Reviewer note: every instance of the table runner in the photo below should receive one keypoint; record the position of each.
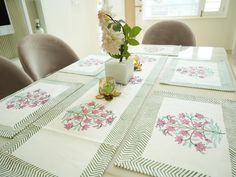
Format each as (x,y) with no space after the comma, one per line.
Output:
(216,75)
(172,50)
(90,65)
(28,104)
(87,132)
(175,127)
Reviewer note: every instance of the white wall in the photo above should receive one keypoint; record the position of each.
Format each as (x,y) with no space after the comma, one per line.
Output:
(118,8)
(74,21)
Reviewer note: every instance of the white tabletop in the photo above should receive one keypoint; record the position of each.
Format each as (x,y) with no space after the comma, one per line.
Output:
(203,53)
(188,53)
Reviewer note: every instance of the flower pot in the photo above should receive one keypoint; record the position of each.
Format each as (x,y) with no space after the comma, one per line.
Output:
(120,71)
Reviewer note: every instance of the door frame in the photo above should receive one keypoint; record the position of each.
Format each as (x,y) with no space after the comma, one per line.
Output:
(130,12)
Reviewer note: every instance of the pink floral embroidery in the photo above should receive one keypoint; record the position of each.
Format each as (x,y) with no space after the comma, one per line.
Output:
(85,127)
(198,134)
(198,124)
(195,71)
(146,59)
(179,139)
(88,115)
(135,80)
(199,116)
(192,130)
(69,126)
(161,122)
(200,147)
(184,133)
(29,99)
(91,62)
(185,121)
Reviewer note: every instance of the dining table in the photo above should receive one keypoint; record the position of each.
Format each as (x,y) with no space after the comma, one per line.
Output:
(175,117)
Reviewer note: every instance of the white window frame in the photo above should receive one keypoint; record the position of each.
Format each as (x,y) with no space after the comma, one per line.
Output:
(201,14)
(221,13)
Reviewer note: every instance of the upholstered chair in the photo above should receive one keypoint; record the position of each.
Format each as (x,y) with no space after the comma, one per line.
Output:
(169,32)
(43,54)
(12,78)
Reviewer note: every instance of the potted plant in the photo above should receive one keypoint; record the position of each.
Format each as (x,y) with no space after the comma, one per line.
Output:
(117,36)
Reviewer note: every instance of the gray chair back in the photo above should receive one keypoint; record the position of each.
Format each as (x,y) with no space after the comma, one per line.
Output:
(43,54)
(12,78)
(169,32)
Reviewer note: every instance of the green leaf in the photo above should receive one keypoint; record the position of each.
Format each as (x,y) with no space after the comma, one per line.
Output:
(125,47)
(116,27)
(108,88)
(109,25)
(127,29)
(115,56)
(126,55)
(121,21)
(135,31)
(133,42)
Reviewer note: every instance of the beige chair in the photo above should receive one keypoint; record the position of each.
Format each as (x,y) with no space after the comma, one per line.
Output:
(169,32)
(12,78)
(43,54)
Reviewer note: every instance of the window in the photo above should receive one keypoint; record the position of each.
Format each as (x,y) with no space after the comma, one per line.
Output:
(215,7)
(183,8)
(212,5)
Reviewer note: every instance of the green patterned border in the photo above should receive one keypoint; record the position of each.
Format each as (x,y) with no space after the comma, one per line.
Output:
(225,73)
(12,166)
(119,131)
(134,146)
(233,161)
(100,161)
(9,132)
(108,148)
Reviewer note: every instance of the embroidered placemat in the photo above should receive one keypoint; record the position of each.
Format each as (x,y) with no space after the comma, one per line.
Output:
(216,75)
(181,135)
(28,104)
(90,65)
(170,50)
(79,136)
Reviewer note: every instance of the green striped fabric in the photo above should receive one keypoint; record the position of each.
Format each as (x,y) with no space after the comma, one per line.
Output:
(12,165)
(233,161)
(138,137)
(9,132)
(100,161)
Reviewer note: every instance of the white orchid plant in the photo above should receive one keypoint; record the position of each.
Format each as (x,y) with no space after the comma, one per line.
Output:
(117,35)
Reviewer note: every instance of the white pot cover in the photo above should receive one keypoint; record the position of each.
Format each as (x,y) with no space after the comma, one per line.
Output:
(120,71)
